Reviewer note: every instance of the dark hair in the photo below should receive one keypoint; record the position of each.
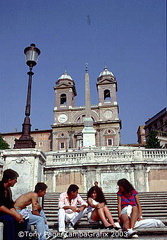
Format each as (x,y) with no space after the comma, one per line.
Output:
(100,195)
(40,186)
(127,186)
(72,188)
(9,174)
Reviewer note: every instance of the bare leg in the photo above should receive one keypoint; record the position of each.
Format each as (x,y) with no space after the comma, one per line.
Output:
(125,221)
(102,217)
(134,216)
(95,215)
(108,215)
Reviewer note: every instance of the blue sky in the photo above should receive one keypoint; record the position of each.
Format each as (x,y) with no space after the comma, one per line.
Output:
(127,36)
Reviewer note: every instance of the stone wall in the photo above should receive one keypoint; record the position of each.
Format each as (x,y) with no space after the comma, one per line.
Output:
(29,164)
(157,179)
(107,166)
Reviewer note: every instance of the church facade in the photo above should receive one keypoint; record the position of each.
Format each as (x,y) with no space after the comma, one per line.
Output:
(69,119)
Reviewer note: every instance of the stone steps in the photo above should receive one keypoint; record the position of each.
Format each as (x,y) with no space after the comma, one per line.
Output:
(154,205)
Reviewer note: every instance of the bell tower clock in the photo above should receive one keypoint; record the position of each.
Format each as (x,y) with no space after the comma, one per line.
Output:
(65,93)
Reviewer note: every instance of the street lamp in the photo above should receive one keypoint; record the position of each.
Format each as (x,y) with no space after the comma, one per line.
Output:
(26,141)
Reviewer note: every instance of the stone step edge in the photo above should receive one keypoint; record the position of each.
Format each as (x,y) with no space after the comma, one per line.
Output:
(86,224)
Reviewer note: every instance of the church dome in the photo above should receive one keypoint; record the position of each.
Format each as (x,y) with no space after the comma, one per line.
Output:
(106,72)
(65,76)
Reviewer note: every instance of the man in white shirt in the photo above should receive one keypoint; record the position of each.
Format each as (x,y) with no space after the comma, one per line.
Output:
(71,208)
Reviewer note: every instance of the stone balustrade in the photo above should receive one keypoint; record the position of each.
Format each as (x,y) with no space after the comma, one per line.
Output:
(103,154)
(106,155)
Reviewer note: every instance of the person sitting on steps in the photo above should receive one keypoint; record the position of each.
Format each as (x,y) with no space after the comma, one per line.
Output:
(71,208)
(36,216)
(129,208)
(98,210)
(12,220)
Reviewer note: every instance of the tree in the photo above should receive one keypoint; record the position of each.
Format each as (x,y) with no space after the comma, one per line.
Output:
(3,143)
(152,140)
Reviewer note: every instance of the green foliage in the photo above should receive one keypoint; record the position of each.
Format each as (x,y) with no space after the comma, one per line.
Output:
(152,140)
(3,143)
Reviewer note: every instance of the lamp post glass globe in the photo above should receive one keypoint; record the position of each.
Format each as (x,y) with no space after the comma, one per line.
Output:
(32,54)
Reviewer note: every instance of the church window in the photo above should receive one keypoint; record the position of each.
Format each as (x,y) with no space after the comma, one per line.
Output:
(62,145)
(78,120)
(83,118)
(110,142)
(40,144)
(109,132)
(63,99)
(107,96)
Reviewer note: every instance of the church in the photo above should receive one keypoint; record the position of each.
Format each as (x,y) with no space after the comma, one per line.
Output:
(68,125)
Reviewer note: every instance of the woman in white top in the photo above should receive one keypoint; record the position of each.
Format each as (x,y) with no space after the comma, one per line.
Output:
(98,209)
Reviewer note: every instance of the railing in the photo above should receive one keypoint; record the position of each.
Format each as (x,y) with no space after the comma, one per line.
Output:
(70,158)
(155,154)
(111,155)
(115,154)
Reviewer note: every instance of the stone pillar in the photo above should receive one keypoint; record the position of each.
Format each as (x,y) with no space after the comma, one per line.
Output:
(140,177)
(29,164)
(90,177)
(50,180)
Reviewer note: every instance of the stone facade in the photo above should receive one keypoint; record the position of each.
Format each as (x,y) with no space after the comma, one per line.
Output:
(107,166)
(43,139)
(69,120)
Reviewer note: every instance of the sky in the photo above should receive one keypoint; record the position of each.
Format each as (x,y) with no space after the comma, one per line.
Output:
(127,36)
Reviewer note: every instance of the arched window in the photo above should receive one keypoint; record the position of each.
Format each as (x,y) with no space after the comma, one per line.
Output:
(63,99)
(107,96)
(81,119)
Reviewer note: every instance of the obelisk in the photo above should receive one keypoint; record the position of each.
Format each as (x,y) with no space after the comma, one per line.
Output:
(88,130)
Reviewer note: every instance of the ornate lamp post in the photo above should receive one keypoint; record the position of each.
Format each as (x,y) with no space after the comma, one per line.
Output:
(26,141)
